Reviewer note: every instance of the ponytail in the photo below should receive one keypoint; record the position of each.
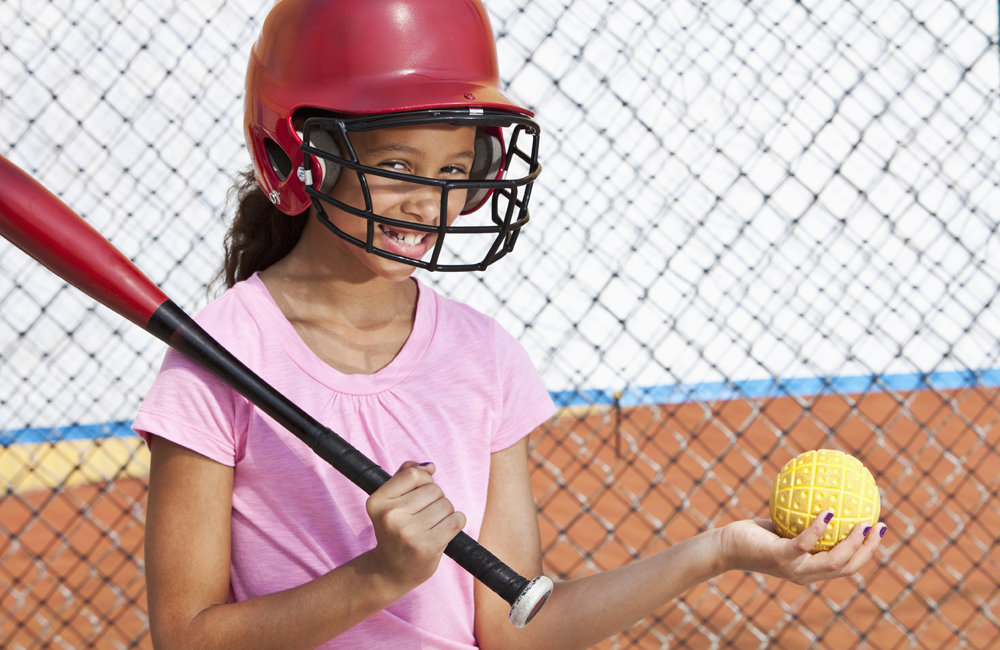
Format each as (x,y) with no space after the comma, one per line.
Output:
(260,234)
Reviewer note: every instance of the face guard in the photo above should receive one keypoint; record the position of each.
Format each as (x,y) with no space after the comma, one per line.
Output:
(497,191)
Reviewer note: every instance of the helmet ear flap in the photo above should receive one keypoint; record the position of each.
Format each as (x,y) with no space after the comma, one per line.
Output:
(329,171)
(487,164)
(281,164)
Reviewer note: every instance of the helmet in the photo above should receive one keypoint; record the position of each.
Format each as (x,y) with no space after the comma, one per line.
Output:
(322,69)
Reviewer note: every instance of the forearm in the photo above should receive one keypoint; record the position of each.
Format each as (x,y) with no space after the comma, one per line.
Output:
(188,564)
(584,611)
(302,617)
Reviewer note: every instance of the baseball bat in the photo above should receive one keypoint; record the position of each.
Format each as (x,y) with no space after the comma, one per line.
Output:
(40,224)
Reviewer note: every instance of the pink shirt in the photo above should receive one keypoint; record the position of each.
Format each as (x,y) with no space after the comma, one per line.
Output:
(460,389)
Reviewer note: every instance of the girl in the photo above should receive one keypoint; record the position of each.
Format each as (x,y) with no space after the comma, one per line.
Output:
(373,125)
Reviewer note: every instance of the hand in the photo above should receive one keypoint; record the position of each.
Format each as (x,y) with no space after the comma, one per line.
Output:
(413,524)
(752,545)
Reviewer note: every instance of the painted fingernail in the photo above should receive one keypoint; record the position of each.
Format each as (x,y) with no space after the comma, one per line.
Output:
(425,464)
(881,533)
(868,529)
(828,518)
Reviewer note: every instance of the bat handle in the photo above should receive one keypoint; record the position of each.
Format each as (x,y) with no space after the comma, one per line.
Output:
(529,602)
(525,597)
(172,325)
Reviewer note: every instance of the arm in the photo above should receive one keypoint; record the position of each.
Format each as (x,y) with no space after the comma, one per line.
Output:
(584,611)
(187,560)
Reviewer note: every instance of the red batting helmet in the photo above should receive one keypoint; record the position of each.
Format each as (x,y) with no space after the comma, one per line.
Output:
(371,63)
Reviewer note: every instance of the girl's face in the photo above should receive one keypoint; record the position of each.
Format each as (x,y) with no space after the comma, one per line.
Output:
(440,151)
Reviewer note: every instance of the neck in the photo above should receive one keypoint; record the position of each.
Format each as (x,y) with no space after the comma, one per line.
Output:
(354,327)
(323,269)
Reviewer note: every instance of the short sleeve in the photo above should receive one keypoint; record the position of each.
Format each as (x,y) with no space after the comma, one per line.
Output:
(191,407)
(526,403)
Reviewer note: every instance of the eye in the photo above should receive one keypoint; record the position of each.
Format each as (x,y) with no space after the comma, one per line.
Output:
(455,170)
(396,166)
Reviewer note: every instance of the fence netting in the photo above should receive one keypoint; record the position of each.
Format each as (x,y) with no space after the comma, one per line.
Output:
(761,228)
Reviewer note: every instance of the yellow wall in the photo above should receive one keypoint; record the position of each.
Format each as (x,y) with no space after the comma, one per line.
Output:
(48,465)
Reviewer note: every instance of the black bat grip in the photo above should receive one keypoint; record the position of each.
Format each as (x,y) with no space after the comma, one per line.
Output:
(467,552)
(486,567)
(171,324)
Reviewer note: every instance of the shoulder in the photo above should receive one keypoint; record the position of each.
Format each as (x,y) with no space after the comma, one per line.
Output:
(236,319)
(460,319)
(245,320)
(234,307)
(464,335)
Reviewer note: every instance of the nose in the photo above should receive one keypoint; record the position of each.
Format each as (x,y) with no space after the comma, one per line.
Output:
(423,202)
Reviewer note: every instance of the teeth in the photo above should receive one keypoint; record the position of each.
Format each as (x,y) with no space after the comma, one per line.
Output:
(407,238)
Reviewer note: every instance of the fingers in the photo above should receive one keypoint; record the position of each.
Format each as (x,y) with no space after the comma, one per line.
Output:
(413,523)
(845,558)
(411,490)
(806,540)
(409,476)
(858,548)
(752,546)
(798,563)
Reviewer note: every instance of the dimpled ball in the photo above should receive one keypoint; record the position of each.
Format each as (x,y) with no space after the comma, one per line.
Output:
(821,479)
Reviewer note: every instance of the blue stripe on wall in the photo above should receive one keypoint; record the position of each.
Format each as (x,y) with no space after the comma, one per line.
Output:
(71,432)
(636,396)
(775,388)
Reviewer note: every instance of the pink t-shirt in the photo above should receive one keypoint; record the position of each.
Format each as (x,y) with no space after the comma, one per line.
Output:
(460,389)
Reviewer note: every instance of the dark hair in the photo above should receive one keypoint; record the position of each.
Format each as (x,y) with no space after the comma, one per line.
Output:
(260,233)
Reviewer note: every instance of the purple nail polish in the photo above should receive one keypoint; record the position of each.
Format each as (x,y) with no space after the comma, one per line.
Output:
(881,533)
(828,518)
(868,529)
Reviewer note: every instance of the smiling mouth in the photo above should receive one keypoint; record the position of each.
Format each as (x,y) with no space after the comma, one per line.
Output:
(408,239)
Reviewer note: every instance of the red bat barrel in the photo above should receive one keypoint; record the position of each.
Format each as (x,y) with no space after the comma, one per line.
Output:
(44,227)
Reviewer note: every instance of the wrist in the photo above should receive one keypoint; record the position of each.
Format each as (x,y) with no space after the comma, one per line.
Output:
(718,551)
(383,584)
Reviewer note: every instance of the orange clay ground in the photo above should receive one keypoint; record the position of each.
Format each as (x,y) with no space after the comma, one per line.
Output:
(613,485)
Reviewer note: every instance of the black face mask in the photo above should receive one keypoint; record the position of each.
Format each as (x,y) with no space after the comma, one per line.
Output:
(499,184)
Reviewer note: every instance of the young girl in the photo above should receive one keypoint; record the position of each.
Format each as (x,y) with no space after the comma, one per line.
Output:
(374,127)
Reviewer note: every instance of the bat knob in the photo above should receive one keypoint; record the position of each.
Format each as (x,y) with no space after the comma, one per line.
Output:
(530,601)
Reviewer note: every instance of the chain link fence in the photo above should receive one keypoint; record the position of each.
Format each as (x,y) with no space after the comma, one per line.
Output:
(761,228)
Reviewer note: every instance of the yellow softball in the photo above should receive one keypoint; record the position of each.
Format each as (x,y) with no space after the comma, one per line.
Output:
(821,479)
